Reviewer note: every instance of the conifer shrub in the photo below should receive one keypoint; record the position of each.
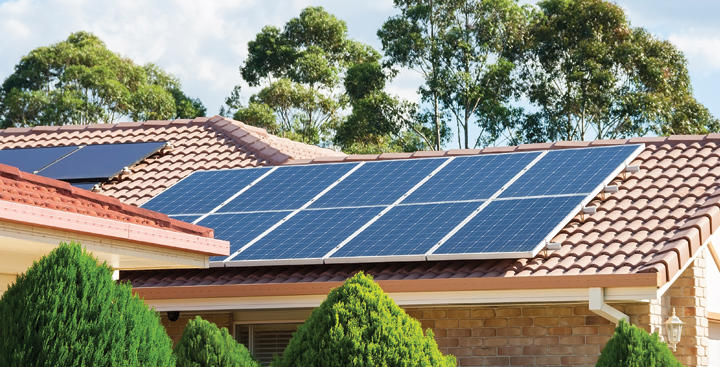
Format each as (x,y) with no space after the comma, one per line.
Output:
(203,344)
(631,346)
(359,325)
(67,311)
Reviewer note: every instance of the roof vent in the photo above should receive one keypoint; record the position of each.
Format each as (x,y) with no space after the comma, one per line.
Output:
(589,210)
(554,246)
(611,189)
(633,168)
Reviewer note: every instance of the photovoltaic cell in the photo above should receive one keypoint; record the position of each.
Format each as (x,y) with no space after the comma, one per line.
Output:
(508,226)
(100,161)
(240,229)
(33,159)
(471,178)
(378,183)
(289,187)
(202,191)
(569,171)
(407,230)
(309,234)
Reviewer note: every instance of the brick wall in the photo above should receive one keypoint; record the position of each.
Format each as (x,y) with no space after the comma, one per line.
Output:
(175,328)
(522,335)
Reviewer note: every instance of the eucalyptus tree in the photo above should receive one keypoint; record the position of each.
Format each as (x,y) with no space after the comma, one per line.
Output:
(80,81)
(591,75)
(300,69)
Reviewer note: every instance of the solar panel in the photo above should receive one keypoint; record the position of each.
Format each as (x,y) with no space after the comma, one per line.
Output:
(570,171)
(288,187)
(507,227)
(202,191)
(471,178)
(85,185)
(378,183)
(308,235)
(239,229)
(487,206)
(100,161)
(403,231)
(34,159)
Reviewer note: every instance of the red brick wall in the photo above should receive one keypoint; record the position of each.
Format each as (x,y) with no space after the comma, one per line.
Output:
(535,335)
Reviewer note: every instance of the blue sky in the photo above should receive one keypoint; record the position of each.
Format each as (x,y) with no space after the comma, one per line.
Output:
(204,42)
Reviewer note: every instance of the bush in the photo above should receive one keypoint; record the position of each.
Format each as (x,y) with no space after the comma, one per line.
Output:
(359,325)
(631,346)
(204,345)
(67,311)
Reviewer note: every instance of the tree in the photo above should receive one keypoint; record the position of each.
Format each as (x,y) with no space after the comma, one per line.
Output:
(631,346)
(67,311)
(359,325)
(300,69)
(80,81)
(204,345)
(378,122)
(592,75)
(411,39)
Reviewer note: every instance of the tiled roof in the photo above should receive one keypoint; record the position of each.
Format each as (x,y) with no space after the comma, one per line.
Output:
(25,188)
(656,221)
(198,144)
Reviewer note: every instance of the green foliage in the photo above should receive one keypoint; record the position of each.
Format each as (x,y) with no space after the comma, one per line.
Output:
(67,311)
(592,75)
(80,81)
(203,344)
(359,325)
(631,346)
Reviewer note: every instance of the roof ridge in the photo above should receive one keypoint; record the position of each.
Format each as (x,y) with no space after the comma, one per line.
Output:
(161,219)
(259,141)
(561,144)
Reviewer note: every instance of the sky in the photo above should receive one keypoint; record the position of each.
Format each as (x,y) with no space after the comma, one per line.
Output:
(203,43)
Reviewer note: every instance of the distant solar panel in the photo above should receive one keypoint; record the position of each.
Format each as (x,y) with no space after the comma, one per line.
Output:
(378,183)
(85,185)
(308,235)
(487,206)
(288,187)
(100,161)
(34,159)
(202,191)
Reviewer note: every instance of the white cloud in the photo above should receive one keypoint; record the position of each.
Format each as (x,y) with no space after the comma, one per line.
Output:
(702,51)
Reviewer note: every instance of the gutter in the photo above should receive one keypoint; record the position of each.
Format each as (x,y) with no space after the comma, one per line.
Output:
(596,303)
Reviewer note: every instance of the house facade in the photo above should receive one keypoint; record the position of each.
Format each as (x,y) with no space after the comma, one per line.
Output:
(650,247)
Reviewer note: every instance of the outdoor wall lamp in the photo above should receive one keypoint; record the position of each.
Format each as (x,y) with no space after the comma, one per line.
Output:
(173,315)
(673,325)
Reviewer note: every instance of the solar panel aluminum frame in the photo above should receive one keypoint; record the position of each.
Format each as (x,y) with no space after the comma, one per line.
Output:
(543,243)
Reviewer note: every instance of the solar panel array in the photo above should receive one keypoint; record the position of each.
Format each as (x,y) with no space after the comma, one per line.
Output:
(82,166)
(470,207)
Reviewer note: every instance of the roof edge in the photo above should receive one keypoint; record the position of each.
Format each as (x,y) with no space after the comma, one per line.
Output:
(161,219)
(107,228)
(404,285)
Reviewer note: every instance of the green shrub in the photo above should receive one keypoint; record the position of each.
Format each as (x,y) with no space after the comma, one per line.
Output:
(631,346)
(359,325)
(204,345)
(67,311)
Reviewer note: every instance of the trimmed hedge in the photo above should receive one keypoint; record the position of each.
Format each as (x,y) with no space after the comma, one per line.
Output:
(203,344)
(359,325)
(631,346)
(67,311)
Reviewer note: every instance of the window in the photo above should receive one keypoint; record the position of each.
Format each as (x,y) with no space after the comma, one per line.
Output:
(265,340)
